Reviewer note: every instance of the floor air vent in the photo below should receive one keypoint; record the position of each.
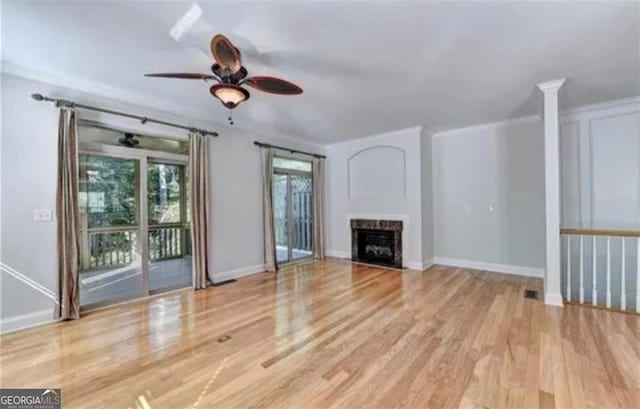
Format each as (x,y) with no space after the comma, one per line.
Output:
(533,294)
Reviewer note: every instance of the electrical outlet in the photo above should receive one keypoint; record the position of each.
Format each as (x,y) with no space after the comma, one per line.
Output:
(42,215)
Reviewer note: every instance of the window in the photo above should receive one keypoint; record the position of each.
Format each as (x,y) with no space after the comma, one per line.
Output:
(108,190)
(165,186)
(292,164)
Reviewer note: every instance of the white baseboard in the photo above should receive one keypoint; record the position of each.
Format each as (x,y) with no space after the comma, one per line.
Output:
(495,267)
(238,272)
(338,254)
(420,265)
(554,299)
(413,265)
(24,321)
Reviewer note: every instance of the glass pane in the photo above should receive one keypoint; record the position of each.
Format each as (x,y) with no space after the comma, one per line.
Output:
(280,216)
(165,184)
(187,195)
(302,217)
(110,259)
(292,164)
(112,249)
(169,245)
(116,270)
(169,258)
(107,193)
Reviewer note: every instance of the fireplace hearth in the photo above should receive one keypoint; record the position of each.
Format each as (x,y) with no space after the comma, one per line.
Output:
(377,242)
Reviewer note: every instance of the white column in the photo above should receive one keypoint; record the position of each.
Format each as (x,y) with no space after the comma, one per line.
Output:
(608,272)
(623,276)
(552,291)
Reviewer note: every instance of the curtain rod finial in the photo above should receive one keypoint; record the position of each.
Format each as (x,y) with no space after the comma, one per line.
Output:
(37,97)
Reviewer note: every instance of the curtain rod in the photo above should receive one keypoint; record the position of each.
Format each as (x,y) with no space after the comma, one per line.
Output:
(142,119)
(267,145)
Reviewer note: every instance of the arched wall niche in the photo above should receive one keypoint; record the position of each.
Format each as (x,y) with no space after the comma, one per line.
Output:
(377,172)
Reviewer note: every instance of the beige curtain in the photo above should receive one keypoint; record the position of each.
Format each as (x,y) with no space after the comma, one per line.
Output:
(67,216)
(318,208)
(199,196)
(270,262)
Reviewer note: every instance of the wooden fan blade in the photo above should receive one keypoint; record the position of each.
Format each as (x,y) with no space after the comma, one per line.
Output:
(183,75)
(225,53)
(273,85)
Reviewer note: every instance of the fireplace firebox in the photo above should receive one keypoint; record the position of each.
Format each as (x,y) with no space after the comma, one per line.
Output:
(377,242)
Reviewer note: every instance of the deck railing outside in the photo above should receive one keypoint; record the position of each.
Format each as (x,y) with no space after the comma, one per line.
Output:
(118,246)
(167,242)
(602,267)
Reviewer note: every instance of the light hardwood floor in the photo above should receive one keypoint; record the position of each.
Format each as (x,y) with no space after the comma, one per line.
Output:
(336,334)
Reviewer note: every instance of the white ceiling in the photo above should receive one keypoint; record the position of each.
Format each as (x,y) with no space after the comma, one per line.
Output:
(366,67)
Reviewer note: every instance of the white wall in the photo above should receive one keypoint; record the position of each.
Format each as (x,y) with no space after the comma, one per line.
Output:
(29,138)
(428,233)
(376,177)
(600,151)
(489,196)
(600,171)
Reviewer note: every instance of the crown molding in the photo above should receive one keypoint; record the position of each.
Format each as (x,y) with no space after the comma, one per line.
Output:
(84,85)
(553,85)
(565,115)
(416,128)
(615,103)
(490,125)
(95,88)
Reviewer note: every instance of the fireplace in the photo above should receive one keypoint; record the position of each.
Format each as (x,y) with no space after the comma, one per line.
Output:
(377,242)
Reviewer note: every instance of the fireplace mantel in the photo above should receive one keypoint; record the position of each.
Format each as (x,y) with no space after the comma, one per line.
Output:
(376,224)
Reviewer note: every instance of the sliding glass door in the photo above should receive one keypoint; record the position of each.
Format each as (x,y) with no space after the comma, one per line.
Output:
(110,230)
(134,224)
(292,201)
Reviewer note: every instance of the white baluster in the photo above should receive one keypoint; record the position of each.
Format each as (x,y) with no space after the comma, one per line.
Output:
(594,262)
(568,268)
(623,296)
(608,272)
(581,269)
(638,277)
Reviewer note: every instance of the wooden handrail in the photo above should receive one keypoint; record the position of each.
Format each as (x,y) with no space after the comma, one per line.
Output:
(599,232)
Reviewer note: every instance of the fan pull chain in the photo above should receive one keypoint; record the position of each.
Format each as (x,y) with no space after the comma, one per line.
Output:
(230,118)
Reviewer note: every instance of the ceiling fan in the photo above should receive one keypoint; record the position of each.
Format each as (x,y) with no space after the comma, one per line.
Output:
(230,76)
(129,140)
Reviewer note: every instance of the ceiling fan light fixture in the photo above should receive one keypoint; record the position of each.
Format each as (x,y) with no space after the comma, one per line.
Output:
(229,94)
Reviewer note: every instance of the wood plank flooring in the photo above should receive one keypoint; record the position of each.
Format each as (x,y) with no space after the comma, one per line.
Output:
(336,334)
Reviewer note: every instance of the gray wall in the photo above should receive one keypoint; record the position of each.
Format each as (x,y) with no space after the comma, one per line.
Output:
(29,138)
(489,194)
(502,166)
(428,234)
